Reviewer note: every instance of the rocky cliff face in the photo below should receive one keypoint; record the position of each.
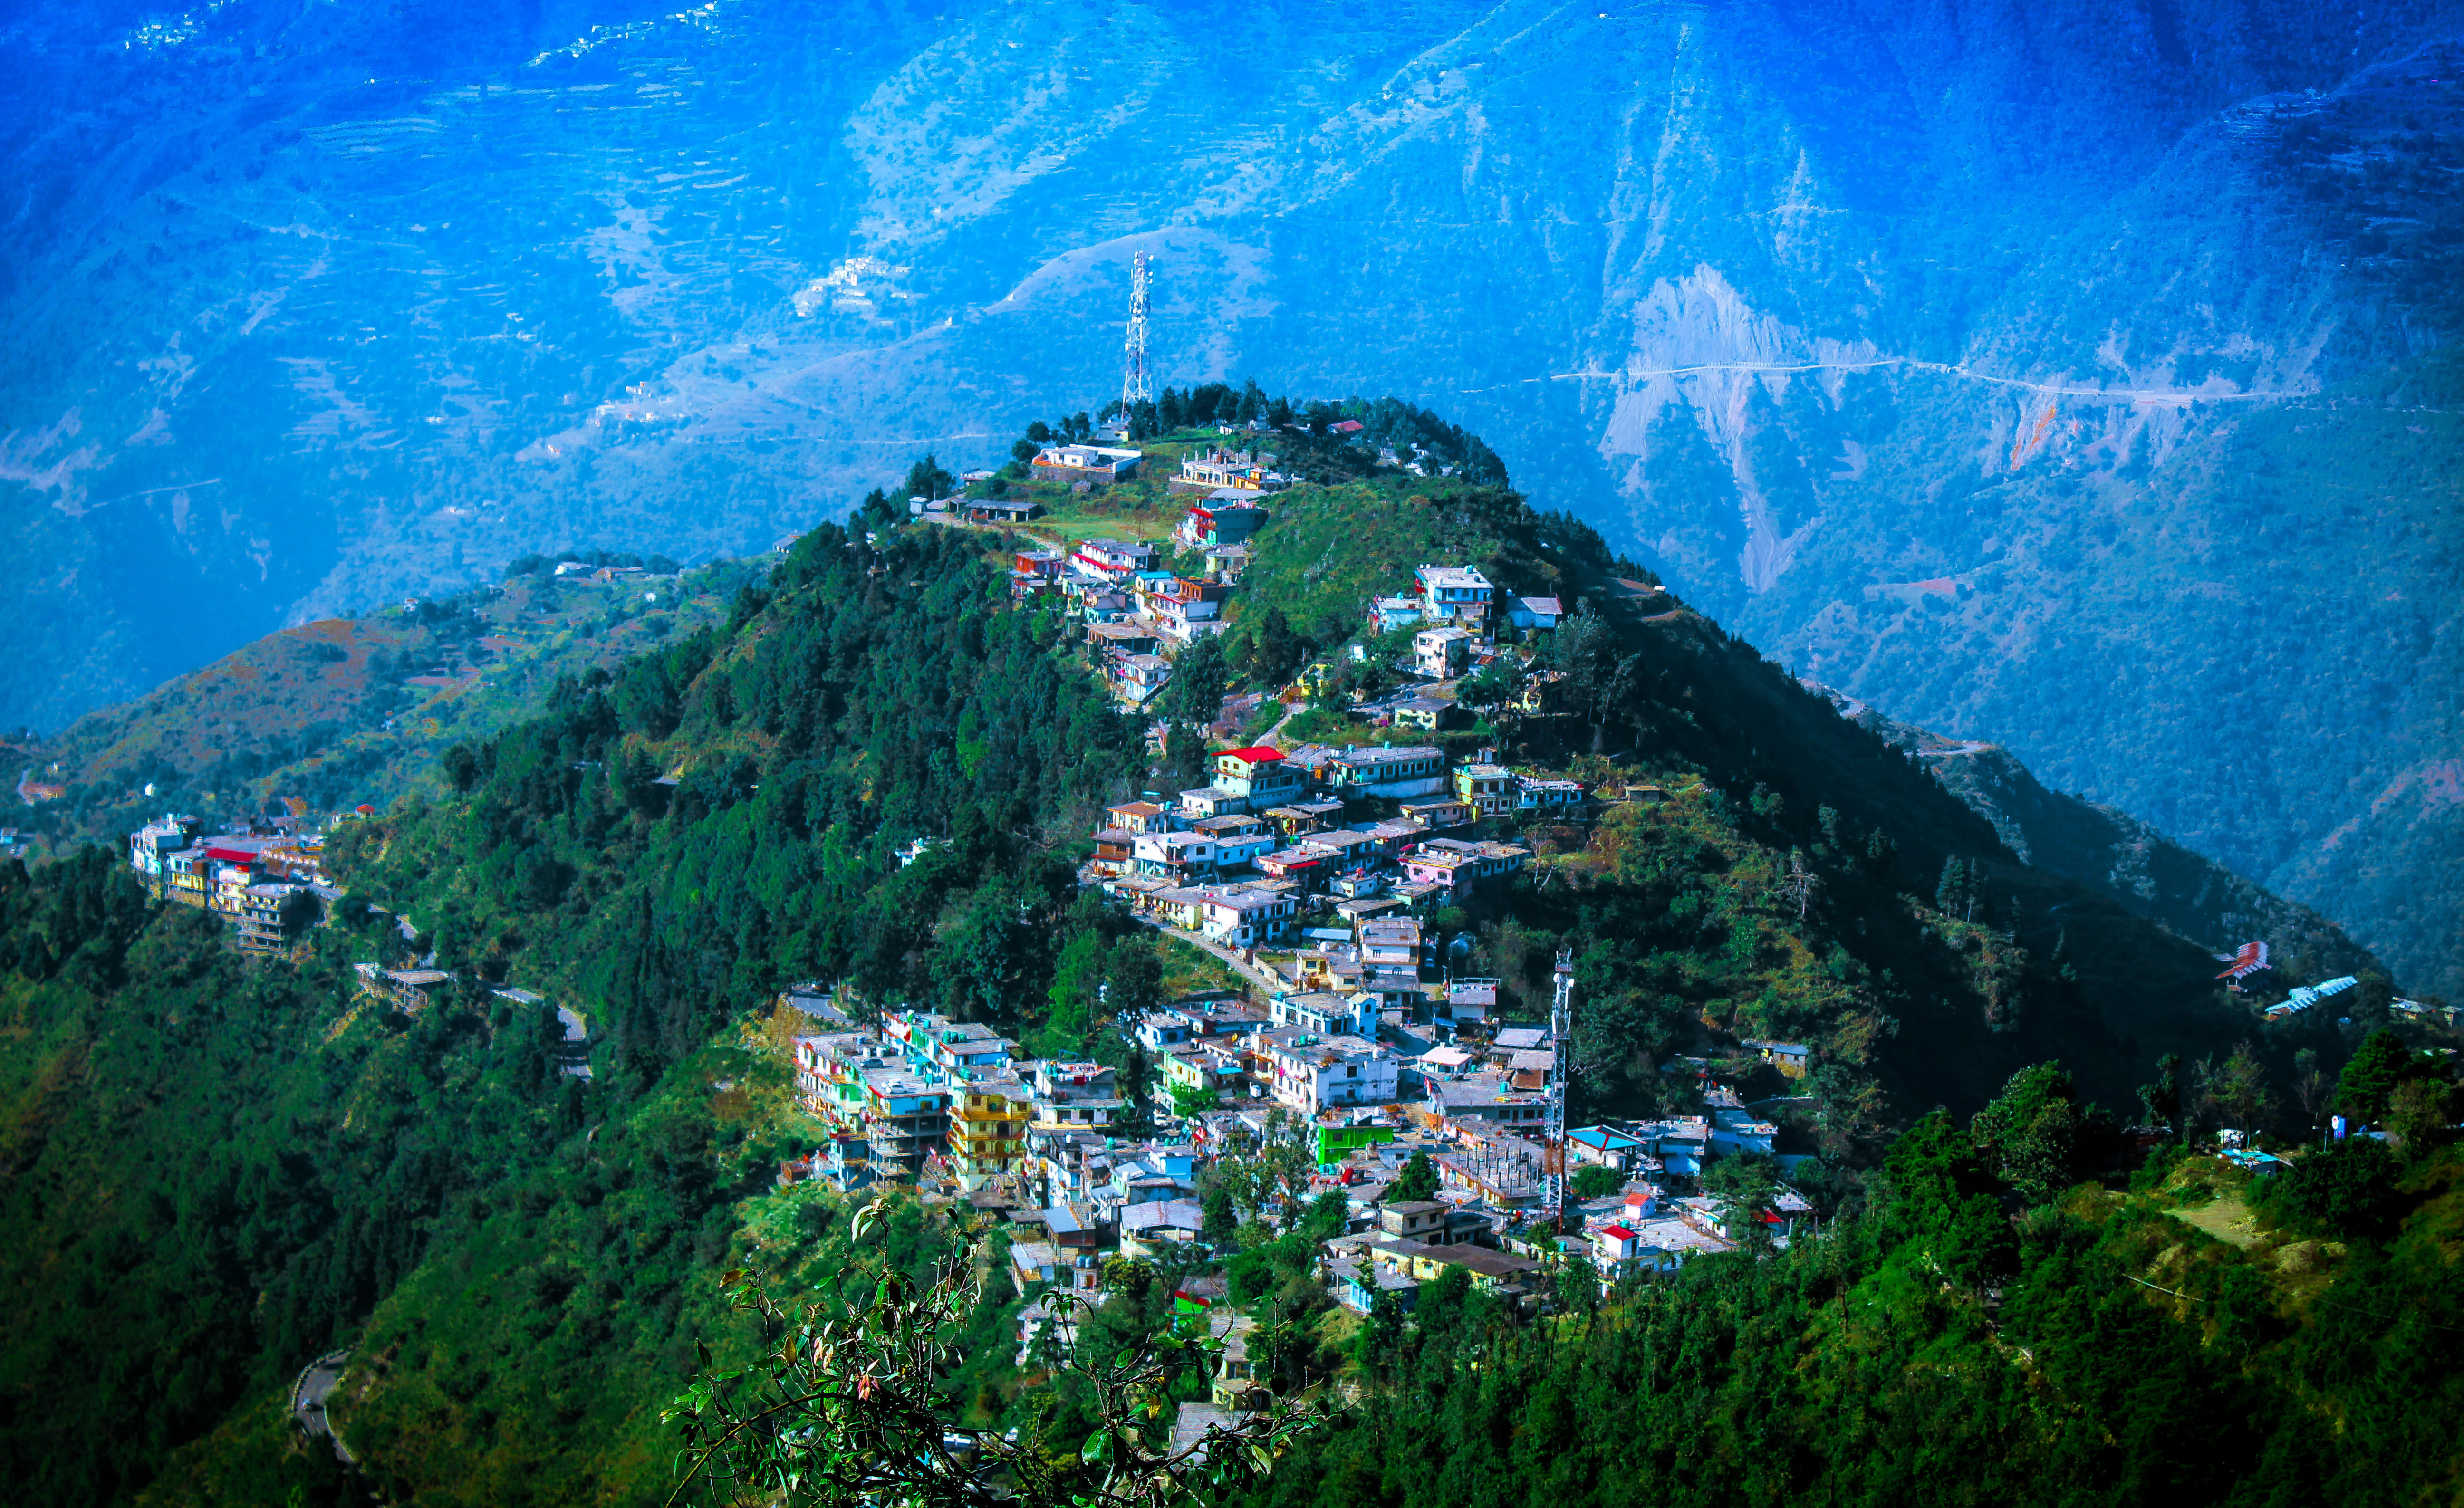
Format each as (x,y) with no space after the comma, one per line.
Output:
(2067,373)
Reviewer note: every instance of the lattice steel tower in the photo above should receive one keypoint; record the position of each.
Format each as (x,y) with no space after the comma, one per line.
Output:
(1561,1044)
(1138,385)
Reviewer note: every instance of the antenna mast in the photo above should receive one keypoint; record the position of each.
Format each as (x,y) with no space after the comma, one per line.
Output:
(1136,386)
(1561,1033)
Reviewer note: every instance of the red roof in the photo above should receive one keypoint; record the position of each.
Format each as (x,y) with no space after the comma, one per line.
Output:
(1619,1232)
(1345,427)
(232,855)
(1261,755)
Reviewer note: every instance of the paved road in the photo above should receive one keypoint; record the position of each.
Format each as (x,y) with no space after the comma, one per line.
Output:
(1972,746)
(1246,970)
(316,1382)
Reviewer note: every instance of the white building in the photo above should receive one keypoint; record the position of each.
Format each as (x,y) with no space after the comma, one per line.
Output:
(1442,653)
(1310,1074)
(1178,855)
(1246,918)
(1323,1012)
(1113,559)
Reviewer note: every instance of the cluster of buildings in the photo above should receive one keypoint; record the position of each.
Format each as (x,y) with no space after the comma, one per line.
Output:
(1460,598)
(1134,611)
(245,877)
(1082,1171)
(1240,860)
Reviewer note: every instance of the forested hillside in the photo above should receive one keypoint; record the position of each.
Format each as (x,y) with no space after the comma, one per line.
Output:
(2126,859)
(354,710)
(2104,1346)
(237,1164)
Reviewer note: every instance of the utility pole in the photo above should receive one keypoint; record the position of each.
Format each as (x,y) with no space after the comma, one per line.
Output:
(1137,384)
(1561,1033)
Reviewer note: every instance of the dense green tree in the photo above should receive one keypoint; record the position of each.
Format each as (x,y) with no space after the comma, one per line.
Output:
(929,479)
(1593,1181)
(1417,1179)
(2345,1190)
(2367,1085)
(1199,678)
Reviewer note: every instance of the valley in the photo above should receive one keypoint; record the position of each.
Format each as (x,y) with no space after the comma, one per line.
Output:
(2140,347)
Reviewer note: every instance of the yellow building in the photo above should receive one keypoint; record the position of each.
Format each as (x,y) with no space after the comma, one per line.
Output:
(988,1122)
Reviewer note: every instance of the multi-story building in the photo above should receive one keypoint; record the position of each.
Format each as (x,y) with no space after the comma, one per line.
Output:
(1205,1068)
(1390,942)
(946,1050)
(410,991)
(1183,610)
(1246,918)
(1458,592)
(1467,1002)
(1313,1073)
(1077,1096)
(1488,787)
(1242,473)
(830,1069)
(1113,559)
(1181,856)
(1398,772)
(151,845)
(1443,653)
(1261,776)
(1226,519)
(259,919)
(1324,1013)
(988,1121)
(1456,864)
(1137,678)
(906,1117)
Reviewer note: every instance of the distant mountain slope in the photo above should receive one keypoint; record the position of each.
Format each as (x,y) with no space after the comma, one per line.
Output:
(349,712)
(2119,856)
(2069,371)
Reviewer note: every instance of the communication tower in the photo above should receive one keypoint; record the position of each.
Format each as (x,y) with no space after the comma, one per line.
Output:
(1561,1033)
(1138,385)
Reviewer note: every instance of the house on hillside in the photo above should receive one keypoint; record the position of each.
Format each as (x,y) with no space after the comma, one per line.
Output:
(1223,518)
(1398,771)
(1216,471)
(1540,793)
(1113,559)
(1260,776)
(1387,614)
(1098,465)
(1535,612)
(1458,593)
(1309,1073)
(1454,865)
(1002,510)
(1488,787)
(1184,609)
(1792,1058)
(1442,654)
(1246,918)
(1109,640)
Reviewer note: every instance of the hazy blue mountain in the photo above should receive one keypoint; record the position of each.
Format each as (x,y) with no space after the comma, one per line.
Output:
(2071,375)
